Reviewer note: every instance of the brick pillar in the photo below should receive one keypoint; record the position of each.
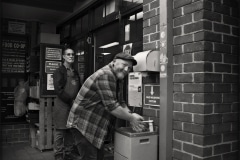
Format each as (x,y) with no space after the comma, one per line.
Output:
(206,62)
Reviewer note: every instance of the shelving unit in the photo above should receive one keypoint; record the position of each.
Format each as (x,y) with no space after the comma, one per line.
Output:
(42,93)
(42,132)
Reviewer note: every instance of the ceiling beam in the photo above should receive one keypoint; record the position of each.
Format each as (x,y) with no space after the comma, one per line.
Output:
(58,5)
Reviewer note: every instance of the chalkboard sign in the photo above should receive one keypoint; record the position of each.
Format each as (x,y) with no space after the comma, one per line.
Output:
(50,60)
(13,58)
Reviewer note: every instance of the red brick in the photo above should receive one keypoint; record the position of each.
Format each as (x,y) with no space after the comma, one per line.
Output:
(177,12)
(197,129)
(221,9)
(198,108)
(178,49)
(230,78)
(183,78)
(230,40)
(230,156)
(221,28)
(193,7)
(208,119)
(230,97)
(235,12)
(149,46)
(183,136)
(146,8)
(222,48)
(222,108)
(177,145)
(150,29)
(207,140)
(207,98)
(222,67)
(198,46)
(235,107)
(177,107)
(230,20)
(149,112)
(183,39)
(183,58)
(155,36)
(198,88)
(230,137)
(223,88)
(197,150)
(180,3)
(177,125)
(230,3)
(154,20)
(207,77)
(182,97)
(209,158)
(149,14)
(154,4)
(147,1)
(183,117)
(208,15)
(230,117)
(177,31)
(221,128)
(177,87)
(177,68)
(146,23)
(222,148)
(181,155)
(198,67)
(197,26)
(235,31)
(207,56)
(207,36)
(146,39)
(182,20)
(235,146)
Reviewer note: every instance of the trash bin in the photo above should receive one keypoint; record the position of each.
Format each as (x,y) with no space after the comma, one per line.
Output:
(131,145)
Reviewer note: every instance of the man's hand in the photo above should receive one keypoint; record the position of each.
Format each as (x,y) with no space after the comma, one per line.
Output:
(136,122)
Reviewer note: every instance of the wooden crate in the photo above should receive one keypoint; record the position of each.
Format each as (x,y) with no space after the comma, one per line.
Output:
(42,132)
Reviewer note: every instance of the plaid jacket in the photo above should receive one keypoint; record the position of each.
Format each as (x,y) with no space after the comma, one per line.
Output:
(96,98)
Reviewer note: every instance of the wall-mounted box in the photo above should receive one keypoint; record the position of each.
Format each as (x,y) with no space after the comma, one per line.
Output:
(147,61)
(49,38)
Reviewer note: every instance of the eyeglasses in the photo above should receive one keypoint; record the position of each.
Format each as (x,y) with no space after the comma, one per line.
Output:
(70,54)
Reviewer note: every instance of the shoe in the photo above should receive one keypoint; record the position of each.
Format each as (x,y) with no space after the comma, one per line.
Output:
(59,157)
(72,156)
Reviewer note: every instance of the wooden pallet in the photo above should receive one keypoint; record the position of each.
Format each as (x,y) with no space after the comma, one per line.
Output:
(42,133)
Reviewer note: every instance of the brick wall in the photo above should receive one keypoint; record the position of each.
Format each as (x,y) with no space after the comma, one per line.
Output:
(151,42)
(15,133)
(206,81)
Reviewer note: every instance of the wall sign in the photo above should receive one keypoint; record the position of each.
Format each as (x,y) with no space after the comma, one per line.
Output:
(14,49)
(16,27)
(50,60)
(135,89)
(152,95)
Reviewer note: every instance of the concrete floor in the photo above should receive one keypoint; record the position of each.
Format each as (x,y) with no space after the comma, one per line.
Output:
(24,151)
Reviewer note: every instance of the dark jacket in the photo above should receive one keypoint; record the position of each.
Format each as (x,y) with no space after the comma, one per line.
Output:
(59,81)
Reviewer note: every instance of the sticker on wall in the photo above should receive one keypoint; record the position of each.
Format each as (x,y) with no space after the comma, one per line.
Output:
(127,48)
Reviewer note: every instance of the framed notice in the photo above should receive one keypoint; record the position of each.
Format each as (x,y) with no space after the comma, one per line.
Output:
(50,60)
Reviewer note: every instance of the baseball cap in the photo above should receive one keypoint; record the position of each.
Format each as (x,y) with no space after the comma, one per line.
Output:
(125,56)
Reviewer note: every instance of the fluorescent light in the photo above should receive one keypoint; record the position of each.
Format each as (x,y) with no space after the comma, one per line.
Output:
(110,45)
(105,53)
(80,53)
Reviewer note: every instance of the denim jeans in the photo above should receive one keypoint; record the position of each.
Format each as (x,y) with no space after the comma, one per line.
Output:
(86,150)
(63,142)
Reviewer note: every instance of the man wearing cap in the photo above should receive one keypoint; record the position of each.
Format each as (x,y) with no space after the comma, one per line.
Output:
(96,105)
